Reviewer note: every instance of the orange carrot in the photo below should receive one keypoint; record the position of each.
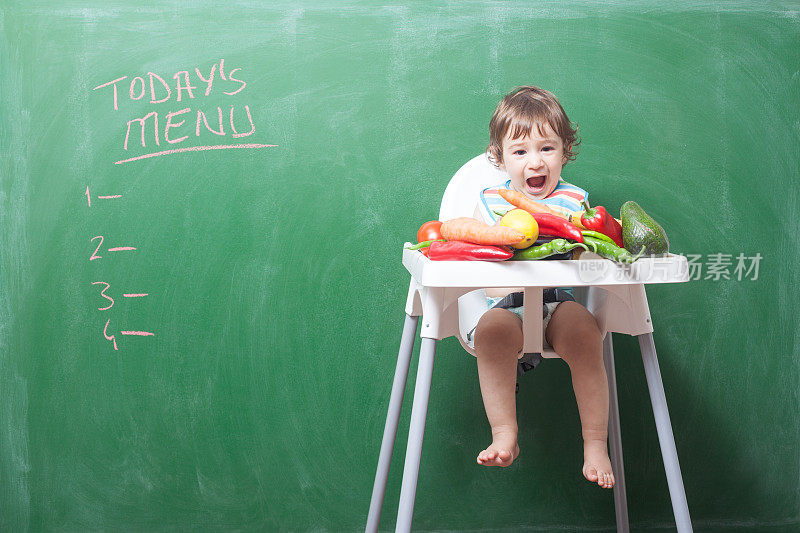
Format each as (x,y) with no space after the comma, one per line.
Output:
(473,230)
(523,202)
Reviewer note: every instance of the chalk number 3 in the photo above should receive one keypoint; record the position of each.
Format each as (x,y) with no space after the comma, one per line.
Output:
(104,295)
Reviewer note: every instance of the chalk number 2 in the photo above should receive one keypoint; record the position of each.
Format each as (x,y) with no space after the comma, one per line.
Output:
(94,254)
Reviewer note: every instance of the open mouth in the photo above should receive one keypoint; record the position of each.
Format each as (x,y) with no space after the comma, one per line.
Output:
(535,184)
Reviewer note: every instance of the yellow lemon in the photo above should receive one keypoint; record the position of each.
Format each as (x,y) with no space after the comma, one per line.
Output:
(521,220)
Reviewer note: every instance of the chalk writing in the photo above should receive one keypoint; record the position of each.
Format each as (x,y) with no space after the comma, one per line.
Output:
(174,127)
(114,249)
(104,295)
(195,149)
(107,286)
(157,125)
(94,254)
(109,337)
(107,197)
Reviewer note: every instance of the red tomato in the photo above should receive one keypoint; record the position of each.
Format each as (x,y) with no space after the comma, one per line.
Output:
(430,231)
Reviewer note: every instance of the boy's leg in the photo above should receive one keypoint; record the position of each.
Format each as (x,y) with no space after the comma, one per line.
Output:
(574,335)
(498,342)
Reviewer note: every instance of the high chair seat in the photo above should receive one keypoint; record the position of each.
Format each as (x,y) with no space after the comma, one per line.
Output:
(450,297)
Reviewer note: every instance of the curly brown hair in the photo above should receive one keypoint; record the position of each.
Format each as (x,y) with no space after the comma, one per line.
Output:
(522,109)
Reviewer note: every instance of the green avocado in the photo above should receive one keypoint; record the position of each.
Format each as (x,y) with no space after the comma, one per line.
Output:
(640,231)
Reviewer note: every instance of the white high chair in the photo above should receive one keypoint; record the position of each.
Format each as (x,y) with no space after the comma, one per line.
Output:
(450,296)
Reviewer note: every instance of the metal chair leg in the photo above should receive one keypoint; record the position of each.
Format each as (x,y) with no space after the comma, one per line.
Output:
(615,438)
(665,437)
(392,420)
(419,412)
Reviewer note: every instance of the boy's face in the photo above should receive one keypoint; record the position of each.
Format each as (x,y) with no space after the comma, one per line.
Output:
(534,162)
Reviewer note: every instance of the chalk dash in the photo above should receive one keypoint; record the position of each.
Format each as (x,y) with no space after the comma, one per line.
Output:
(196,149)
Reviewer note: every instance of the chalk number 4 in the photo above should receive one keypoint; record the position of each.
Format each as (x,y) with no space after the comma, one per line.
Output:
(109,337)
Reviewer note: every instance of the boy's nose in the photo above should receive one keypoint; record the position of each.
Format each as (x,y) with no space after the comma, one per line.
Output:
(535,161)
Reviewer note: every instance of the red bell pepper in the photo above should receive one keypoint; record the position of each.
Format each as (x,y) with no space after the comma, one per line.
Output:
(557,226)
(466,251)
(598,219)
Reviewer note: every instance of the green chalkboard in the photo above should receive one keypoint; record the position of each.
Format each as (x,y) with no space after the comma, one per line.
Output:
(199,321)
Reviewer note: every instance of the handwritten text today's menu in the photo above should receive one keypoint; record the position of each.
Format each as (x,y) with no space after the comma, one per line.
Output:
(175,127)
(181,128)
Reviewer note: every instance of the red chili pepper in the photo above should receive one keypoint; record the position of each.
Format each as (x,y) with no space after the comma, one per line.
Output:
(598,219)
(557,226)
(466,251)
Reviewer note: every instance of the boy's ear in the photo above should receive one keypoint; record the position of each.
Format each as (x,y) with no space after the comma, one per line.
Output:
(564,157)
(498,158)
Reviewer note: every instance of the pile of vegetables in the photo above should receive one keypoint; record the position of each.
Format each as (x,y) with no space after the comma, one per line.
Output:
(532,230)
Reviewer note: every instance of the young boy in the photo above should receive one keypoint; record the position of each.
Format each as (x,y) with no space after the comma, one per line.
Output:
(531,138)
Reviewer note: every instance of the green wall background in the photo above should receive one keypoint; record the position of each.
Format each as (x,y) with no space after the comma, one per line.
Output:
(274,277)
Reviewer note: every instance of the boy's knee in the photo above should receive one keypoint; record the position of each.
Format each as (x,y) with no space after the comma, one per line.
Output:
(499,333)
(574,333)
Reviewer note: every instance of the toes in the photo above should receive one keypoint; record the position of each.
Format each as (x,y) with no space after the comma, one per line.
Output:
(590,473)
(486,456)
(606,480)
(497,457)
(504,458)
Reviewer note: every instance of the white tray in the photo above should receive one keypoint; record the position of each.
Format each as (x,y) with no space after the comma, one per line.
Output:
(590,269)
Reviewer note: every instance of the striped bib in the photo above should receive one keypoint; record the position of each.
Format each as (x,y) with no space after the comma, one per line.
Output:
(565,198)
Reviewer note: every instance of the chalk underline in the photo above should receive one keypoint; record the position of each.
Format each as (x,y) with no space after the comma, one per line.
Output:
(196,149)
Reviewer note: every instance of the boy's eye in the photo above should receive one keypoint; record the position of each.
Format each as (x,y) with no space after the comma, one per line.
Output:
(548,148)
(519,152)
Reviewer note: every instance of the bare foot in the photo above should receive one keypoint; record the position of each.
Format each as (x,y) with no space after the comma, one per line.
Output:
(596,464)
(502,452)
